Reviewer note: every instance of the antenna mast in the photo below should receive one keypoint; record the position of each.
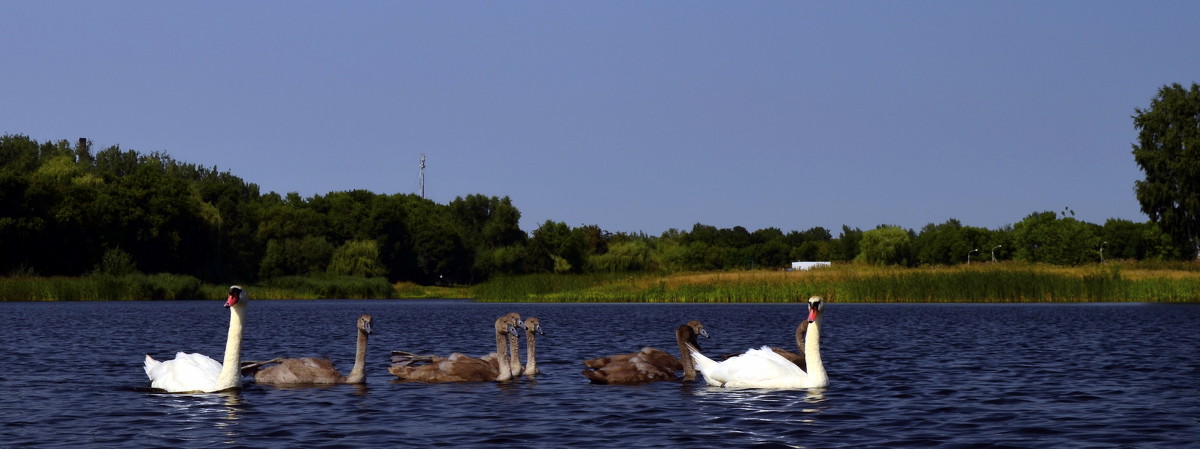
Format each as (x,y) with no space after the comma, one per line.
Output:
(422,178)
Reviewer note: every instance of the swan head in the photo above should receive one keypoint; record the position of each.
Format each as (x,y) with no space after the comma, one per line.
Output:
(815,304)
(687,334)
(236,296)
(516,317)
(509,323)
(532,324)
(364,324)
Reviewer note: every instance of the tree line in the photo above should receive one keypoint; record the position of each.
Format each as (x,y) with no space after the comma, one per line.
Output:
(66,211)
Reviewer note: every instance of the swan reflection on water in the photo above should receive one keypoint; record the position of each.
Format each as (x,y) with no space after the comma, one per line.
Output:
(757,400)
(222,409)
(233,406)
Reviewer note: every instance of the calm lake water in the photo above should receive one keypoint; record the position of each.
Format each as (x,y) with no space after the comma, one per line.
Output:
(1079,375)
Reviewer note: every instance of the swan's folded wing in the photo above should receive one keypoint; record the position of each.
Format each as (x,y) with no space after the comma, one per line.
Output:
(757,368)
(405,358)
(187,372)
(305,370)
(650,368)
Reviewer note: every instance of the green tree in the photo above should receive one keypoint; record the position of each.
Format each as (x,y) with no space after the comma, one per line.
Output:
(1045,237)
(486,226)
(810,245)
(625,256)
(296,256)
(357,258)
(18,153)
(1168,152)
(886,245)
(557,248)
(949,242)
(845,247)
(438,249)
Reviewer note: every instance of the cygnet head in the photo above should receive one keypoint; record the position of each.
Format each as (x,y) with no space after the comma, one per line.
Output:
(364,324)
(533,325)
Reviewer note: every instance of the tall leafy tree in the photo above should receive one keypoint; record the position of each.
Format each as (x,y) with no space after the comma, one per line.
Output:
(1045,237)
(1168,151)
(886,245)
(845,247)
(555,247)
(950,242)
(357,258)
(490,231)
(811,245)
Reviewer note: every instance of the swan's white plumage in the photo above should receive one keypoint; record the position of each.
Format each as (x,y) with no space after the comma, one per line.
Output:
(756,368)
(187,372)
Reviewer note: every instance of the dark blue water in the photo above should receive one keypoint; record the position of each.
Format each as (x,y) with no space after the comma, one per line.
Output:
(1124,375)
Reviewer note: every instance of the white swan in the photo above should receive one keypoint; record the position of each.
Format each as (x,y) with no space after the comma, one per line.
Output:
(764,368)
(200,373)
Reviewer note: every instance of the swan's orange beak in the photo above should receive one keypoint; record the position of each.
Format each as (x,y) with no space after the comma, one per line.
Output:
(812,314)
(233,299)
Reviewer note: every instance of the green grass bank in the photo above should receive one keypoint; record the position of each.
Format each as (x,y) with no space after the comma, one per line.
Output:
(1004,282)
(981,282)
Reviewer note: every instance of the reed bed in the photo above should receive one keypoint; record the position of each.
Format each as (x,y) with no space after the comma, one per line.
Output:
(324,287)
(984,282)
(1005,282)
(101,288)
(137,287)
(412,290)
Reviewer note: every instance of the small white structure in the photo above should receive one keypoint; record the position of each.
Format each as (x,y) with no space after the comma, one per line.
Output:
(809,265)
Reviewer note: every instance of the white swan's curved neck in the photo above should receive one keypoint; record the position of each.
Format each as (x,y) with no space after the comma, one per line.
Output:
(231,376)
(812,354)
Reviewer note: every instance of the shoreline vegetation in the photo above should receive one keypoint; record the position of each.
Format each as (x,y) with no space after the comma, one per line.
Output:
(1165,282)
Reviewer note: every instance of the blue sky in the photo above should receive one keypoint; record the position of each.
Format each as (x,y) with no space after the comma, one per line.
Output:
(634,116)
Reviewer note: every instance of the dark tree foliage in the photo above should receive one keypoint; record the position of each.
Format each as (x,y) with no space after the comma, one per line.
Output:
(1056,238)
(1168,152)
(68,210)
(950,242)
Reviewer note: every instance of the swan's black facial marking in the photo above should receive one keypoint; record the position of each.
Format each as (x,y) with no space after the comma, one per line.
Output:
(235,295)
(814,308)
